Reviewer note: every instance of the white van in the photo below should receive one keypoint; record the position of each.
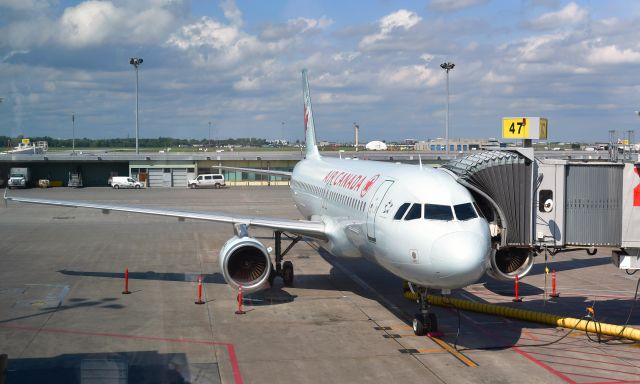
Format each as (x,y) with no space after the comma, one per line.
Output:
(207,180)
(118,182)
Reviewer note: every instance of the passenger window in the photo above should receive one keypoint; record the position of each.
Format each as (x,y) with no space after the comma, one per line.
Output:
(464,211)
(415,212)
(437,212)
(401,211)
(207,177)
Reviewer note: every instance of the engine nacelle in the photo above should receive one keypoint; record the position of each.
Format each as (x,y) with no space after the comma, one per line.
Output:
(245,262)
(506,263)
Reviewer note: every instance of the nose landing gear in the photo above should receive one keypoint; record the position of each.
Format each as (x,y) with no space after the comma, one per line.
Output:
(424,322)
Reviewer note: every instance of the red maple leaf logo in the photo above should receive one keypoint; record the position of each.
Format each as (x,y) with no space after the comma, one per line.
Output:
(306,118)
(368,185)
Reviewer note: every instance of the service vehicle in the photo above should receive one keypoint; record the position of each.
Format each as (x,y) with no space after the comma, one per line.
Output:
(118,182)
(19,177)
(214,180)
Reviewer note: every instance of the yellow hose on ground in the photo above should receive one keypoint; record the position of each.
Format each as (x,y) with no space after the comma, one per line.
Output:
(533,316)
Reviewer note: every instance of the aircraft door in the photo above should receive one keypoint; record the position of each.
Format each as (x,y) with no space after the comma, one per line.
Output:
(374,205)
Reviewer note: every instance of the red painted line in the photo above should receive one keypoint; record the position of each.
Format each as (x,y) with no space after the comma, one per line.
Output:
(531,335)
(564,294)
(614,381)
(237,377)
(581,359)
(543,365)
(589,353)
(592,368)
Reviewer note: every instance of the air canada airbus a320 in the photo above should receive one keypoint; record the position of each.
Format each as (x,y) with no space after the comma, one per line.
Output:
(416,222)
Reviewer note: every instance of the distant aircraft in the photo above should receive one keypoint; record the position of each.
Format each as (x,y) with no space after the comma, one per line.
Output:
(418,223)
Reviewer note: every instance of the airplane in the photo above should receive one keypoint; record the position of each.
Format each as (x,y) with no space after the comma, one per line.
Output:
(416,222)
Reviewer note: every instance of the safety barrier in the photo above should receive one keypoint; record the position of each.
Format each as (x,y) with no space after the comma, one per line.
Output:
(533,316)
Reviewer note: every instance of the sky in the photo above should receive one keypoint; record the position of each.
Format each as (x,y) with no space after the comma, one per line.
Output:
(233,68)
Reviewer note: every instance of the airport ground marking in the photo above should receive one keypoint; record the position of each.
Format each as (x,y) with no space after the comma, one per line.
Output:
(237,377)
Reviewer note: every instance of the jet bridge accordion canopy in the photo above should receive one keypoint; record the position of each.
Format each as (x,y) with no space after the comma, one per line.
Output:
(506,178)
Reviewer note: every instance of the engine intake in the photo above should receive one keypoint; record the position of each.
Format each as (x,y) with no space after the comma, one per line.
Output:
(245,262)
(506,263)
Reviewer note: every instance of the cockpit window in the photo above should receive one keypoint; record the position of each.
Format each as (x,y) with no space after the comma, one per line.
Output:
(478,210)
(465,211)
(415,212)
(437,212)
(401,211)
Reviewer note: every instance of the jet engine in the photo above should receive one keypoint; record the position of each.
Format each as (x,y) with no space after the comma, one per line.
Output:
(245,263)
(506,263)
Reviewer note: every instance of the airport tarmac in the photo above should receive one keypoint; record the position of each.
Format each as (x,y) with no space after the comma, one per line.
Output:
(63,318)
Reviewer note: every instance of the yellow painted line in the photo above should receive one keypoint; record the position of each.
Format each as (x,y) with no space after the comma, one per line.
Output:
(433,350)
(402,327)
(456,354)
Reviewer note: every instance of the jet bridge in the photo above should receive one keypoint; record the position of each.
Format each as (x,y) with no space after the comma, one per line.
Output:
(559,205)
(501,181)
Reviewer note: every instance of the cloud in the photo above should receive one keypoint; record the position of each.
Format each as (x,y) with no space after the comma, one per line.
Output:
(454,5)
(571,14)
(92,23)
(95,22)
(611,54)
(232,13)
(401,19)
(409,76)
(24,5)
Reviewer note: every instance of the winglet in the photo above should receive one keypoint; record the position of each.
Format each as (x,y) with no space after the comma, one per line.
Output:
(309,129)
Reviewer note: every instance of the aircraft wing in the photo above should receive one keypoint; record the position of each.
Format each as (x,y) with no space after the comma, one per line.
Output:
(256,170)
(314,229)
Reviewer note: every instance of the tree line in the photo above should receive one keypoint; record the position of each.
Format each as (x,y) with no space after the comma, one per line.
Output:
(160,142)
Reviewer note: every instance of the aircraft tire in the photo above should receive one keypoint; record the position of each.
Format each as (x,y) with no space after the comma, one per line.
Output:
(287,273)
(418,325)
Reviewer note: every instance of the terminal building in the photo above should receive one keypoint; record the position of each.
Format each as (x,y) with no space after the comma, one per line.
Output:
(455,145)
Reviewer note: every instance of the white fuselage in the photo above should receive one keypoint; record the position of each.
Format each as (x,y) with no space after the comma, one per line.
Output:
(359,200)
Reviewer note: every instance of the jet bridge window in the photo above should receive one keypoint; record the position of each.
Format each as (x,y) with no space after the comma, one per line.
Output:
(415,212)
(401,211)
(437,212)
(465,211)
(545,200)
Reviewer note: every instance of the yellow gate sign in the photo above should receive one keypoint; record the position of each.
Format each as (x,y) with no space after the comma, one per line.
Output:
(25,141)
(524,128)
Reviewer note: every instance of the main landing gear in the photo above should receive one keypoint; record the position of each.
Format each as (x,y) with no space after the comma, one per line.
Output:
(424,322)
(283,269)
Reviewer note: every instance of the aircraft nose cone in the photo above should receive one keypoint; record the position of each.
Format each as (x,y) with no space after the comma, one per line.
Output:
(460,257)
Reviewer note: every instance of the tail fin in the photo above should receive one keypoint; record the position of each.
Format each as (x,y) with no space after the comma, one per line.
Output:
(309,129)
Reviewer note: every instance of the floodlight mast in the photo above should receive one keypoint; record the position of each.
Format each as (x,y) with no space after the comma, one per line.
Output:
(447,66)
(135,61)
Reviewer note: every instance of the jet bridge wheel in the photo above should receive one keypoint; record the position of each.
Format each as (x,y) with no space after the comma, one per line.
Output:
(287,273)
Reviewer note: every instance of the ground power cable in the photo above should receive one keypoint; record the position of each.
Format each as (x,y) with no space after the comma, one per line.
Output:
(589,317)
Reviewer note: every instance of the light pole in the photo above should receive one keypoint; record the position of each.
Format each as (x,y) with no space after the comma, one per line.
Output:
(73,132)
(283,135)
(135,61)
(357,128)
(447,67)
(209,134)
